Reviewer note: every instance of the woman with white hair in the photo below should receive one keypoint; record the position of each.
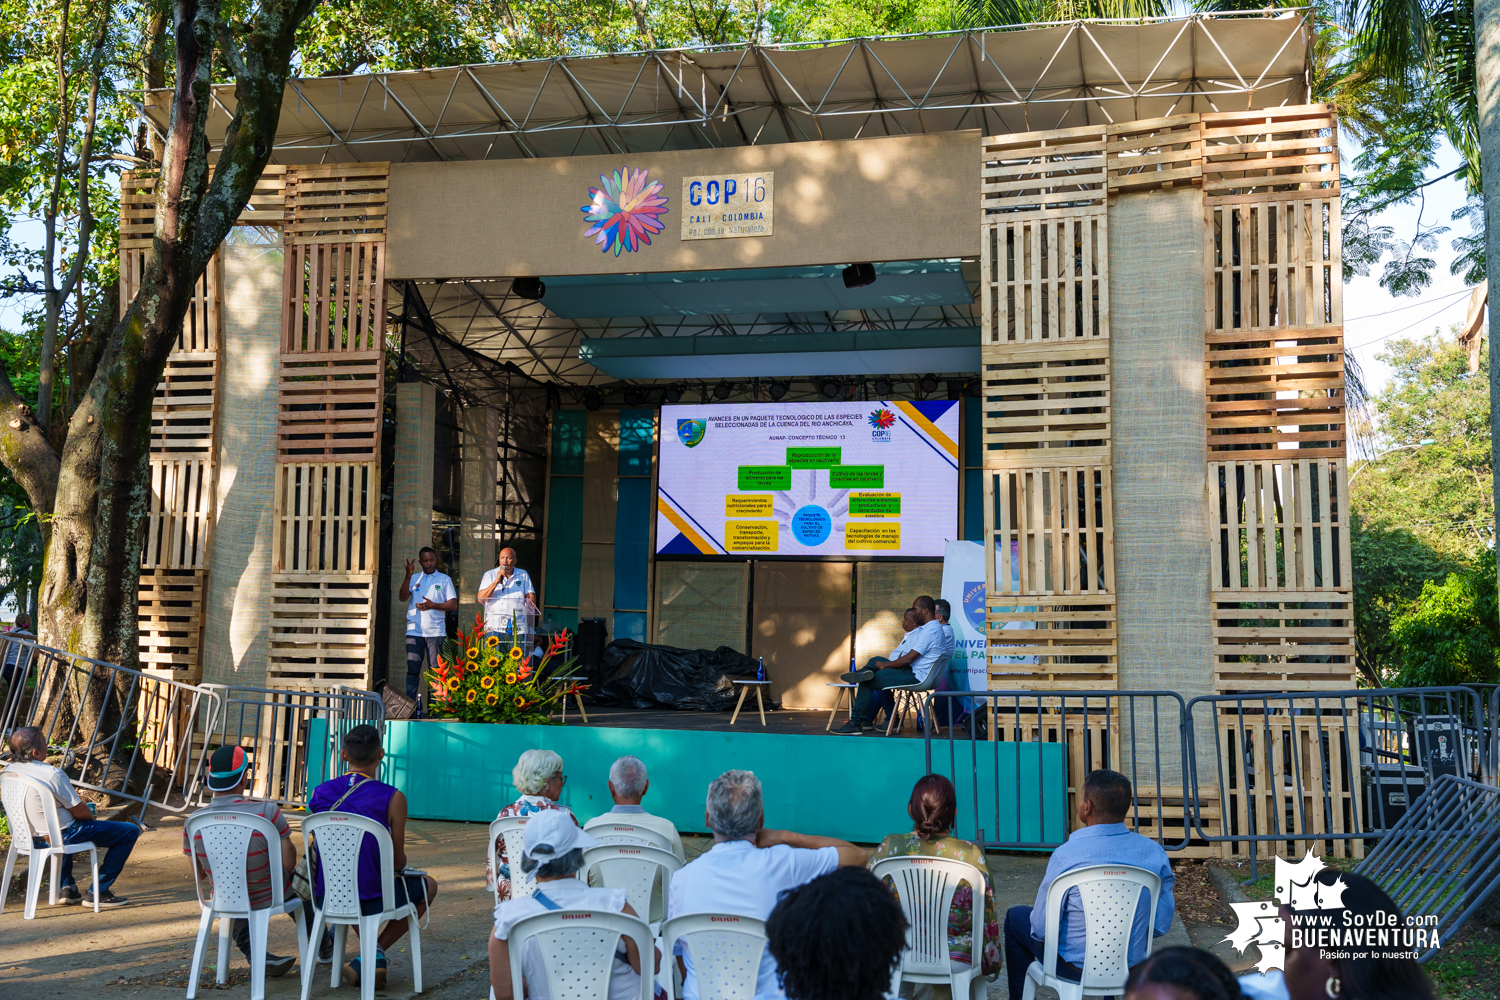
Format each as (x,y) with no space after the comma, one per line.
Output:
(539,777)
(552,853)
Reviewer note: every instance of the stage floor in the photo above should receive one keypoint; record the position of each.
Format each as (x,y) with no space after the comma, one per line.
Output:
(784,722)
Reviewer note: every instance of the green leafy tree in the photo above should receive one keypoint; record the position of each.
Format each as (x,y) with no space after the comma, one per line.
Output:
(1391,566)
(1451,635)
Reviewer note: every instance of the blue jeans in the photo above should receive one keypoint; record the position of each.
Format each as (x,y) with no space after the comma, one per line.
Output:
(1021,949)
(117,840)
(864,701)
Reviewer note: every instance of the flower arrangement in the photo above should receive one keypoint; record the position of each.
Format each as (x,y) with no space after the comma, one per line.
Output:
(478,679)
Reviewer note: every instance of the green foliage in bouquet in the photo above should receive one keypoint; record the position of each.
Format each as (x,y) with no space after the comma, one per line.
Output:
(481,679)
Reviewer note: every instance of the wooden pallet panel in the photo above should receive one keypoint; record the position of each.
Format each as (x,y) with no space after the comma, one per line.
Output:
(330,407)
(1274,264)
(1270,150)
(1053,530)
(1281,394)
(326,518)
(138,204)
(1283,642)
(321,629)
(1274,768)
(1053,644)
(1280,525)
(1154,154)
(1047,277)
(176,529)
(169,611)
(333,300)
(336,201)
(1046,405)
(1042,172)
(182,414)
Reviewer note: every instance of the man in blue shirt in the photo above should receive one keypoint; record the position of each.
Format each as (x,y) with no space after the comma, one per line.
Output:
(925,650)
(1101,840)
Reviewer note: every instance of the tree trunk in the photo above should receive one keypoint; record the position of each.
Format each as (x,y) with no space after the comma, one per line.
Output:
(1487,69)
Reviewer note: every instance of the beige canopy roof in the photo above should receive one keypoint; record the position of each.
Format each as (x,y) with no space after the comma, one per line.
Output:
(996,80)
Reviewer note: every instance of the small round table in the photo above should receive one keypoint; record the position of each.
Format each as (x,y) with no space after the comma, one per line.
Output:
(745,687)
(844,687)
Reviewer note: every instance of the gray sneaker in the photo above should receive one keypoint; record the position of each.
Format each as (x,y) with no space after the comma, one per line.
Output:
(855,676)
(851,729)
(107,900)
(278,965)
(69,896)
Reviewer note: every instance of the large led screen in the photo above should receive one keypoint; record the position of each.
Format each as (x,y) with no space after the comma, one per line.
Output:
(808,479)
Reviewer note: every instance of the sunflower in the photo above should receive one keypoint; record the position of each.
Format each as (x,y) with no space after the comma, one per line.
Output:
(474,652)
(472,696)
(515,652)
(453,684)
(491,698)
(520,702)
(492,662)
(487,683)
(510,678)
(492,642)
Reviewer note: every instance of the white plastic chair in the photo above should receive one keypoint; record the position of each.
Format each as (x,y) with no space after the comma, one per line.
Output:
(578,950)
(726,951)
(926,887)
(226,844)
(634,868)
(13,791)
(510,827)
(1110,895)
(339,836)
(625,832)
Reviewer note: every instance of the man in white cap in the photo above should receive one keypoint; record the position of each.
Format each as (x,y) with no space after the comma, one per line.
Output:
(552,847)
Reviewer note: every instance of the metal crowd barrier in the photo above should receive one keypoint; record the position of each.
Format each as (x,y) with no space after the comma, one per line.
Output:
(119,731)
(1441,860)
(272,724)
(1019,765)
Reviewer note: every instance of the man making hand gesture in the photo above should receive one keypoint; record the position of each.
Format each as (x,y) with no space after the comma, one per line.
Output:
(429,595)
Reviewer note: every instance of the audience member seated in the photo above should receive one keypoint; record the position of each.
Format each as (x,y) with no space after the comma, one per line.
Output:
(628,785)
(839,937)
(932,809)
(363,794)
(1385,973)
(1182,974)
(1101,839)
(925,650)
(748,868)
(538,776)
(28,749)
(228,769)
(553,848)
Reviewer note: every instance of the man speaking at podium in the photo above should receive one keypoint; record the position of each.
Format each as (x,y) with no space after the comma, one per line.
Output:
(507,594)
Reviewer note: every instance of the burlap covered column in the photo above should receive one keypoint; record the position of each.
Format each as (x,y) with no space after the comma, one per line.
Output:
(411,500)
(237,602)
(480,428)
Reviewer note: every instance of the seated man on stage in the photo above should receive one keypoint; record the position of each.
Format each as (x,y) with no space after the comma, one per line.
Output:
(925,650)
(1102,839)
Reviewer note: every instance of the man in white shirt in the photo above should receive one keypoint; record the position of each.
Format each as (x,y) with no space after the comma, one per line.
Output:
(627,786)
(926,650)
(28,750)
(747,869)
(507,595)
(429,595)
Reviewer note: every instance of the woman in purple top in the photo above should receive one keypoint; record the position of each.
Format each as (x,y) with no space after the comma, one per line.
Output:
(361,793)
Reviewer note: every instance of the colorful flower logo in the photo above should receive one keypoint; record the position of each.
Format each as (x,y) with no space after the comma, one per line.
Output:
(625,210)
(882,419)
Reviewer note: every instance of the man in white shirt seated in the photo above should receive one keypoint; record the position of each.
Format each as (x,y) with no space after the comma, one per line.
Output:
(627,786)
(925,650)
(747,869)
(28,750)
(552,847)
(508,598)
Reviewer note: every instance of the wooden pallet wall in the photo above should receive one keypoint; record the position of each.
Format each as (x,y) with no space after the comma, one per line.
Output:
(327,499)
(1274,360)
(1046,410)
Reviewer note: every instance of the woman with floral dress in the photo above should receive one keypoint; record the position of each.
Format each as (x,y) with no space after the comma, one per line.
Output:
(932,809)
(539,777)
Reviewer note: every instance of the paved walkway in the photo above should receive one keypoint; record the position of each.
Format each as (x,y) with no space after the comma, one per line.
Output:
(145,949)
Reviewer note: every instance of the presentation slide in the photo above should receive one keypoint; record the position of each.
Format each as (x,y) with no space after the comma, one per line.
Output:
(808,479)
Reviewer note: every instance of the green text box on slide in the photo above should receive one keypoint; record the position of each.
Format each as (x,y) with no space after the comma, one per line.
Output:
(857,477)
(765,477)
(874,503)
(813,458)
(855,789)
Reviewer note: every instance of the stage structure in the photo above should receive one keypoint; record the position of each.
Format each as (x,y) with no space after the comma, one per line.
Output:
(432,326)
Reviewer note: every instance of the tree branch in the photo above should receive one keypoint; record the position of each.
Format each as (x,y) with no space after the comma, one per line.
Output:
(25,449)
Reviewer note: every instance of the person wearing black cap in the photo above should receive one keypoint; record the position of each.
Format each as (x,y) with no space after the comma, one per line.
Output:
(228,769)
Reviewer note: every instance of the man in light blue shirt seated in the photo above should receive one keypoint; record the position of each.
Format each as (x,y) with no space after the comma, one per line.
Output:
(926,649)
(1101,840)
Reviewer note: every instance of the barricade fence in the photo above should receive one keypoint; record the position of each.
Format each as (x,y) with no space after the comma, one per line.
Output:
(118,731)
(1242,776)
(145,739)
